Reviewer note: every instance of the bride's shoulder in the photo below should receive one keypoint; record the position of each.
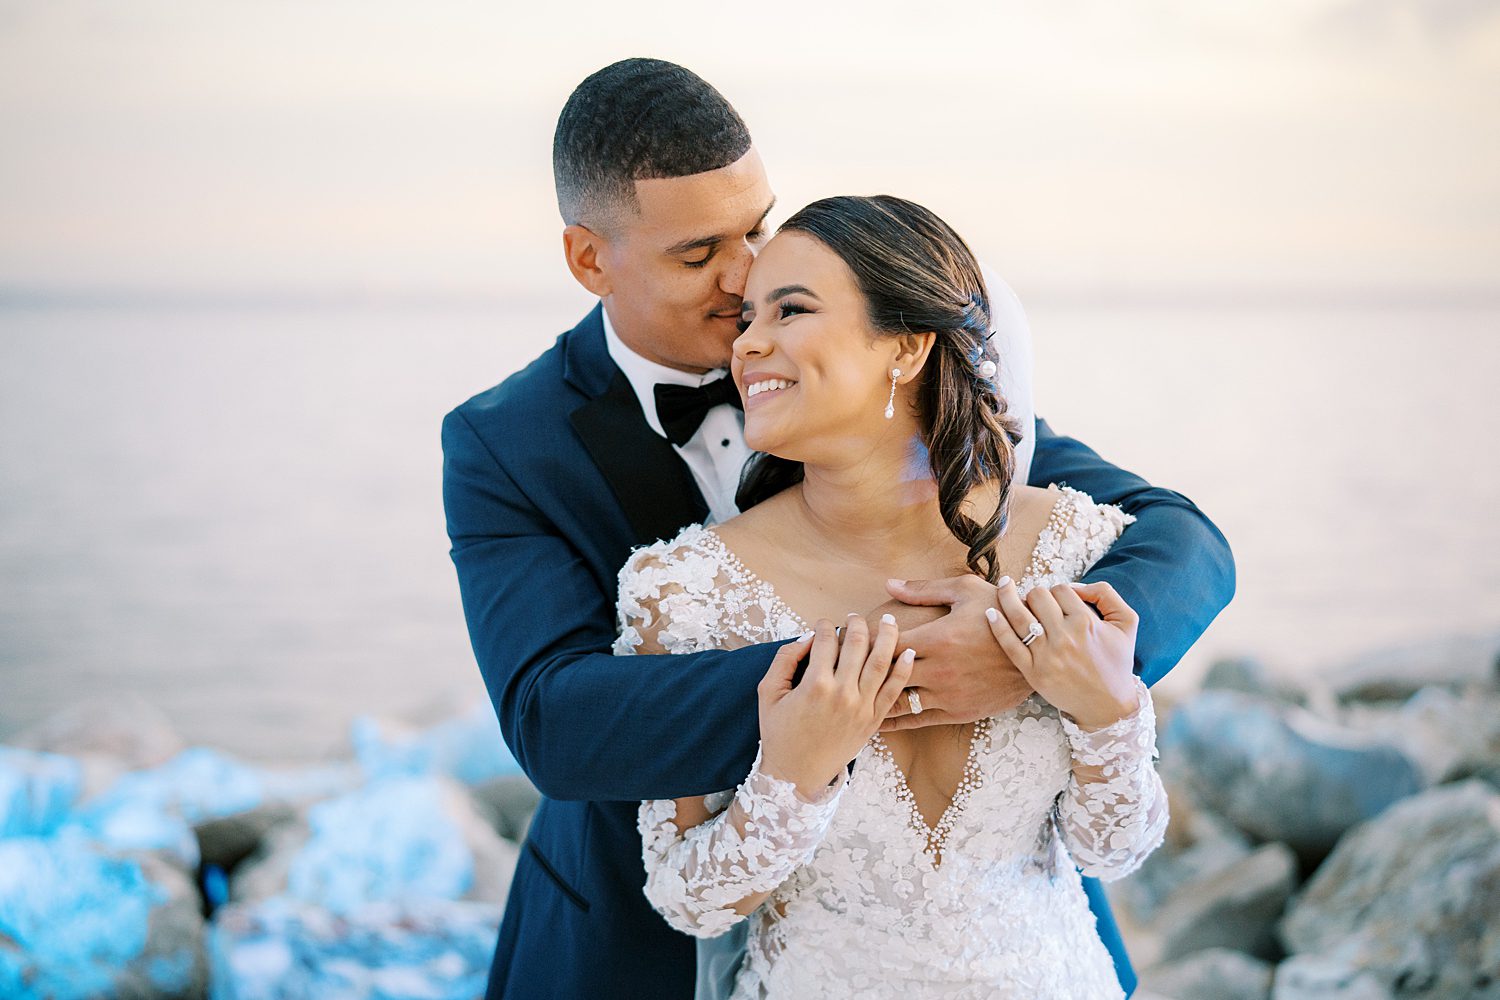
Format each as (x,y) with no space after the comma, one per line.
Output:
(692,544)
(1075,531)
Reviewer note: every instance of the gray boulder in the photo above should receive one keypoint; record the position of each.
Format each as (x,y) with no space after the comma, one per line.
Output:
(1235,907)
(1250,676)
(1396,673)
(1281,773)
(1197,845)
(80,921)
(126,729)
(508,802)
(1214,974)
(1454,734)
(397,839)
(1408,904)
(282,949)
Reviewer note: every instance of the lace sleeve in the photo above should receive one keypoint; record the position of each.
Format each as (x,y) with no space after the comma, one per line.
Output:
(1115,814)
(699,878)
(682,597)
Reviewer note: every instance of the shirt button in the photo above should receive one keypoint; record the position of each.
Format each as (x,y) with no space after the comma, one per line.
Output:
(724,443)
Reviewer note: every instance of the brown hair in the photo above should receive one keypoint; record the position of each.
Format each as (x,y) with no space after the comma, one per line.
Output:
(917,275)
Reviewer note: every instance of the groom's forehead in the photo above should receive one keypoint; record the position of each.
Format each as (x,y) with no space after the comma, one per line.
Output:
(721,203)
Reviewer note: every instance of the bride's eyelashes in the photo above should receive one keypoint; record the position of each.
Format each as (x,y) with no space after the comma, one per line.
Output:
(784,310)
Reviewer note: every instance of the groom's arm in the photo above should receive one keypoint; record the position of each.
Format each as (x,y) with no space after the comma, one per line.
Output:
(1172,565)
(582,723)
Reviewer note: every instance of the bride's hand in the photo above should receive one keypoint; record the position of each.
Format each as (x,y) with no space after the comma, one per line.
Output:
(1083,663)
(810,732)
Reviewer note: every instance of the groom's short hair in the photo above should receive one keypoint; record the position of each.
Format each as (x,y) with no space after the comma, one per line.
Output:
(633,120)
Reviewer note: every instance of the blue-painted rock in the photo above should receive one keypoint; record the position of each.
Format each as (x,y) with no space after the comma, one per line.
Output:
(79,921)
(282,949)
(157,809)
(397,839)
(36,791)
(1281,773)
(1407,905)
(467,747)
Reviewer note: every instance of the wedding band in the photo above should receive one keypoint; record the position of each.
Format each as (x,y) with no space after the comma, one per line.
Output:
(1033,633)
(915,700)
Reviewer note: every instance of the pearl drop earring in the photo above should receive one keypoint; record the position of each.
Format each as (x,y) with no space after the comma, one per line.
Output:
(890,404)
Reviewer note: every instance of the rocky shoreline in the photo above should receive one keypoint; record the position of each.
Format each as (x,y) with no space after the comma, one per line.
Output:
(1334,839)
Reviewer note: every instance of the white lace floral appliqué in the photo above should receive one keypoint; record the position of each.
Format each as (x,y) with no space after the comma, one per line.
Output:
(863,902)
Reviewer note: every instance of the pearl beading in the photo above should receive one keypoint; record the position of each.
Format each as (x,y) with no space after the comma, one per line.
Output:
(1049,540)
(937,836)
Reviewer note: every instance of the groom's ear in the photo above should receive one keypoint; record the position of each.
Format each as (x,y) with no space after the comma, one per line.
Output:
(915,349)
(582,249)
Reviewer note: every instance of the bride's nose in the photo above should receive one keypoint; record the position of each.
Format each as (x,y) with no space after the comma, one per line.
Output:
(751,343)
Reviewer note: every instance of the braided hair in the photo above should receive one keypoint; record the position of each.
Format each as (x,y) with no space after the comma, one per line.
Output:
(917,275)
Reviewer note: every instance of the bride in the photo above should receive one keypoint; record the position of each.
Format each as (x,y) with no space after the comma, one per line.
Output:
(938,861)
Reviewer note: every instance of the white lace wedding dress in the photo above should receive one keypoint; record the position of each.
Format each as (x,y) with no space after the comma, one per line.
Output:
(868,901)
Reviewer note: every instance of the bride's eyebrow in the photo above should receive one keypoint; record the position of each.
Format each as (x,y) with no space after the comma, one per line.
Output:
(786,290)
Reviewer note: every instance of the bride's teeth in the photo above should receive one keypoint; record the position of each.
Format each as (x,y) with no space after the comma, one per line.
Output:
(769,384)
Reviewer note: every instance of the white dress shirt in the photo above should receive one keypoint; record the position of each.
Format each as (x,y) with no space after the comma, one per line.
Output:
(717,452)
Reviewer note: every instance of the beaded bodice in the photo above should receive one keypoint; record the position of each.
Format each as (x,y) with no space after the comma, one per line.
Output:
(866,900)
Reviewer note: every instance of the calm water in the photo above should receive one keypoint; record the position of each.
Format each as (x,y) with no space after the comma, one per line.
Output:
(236,513)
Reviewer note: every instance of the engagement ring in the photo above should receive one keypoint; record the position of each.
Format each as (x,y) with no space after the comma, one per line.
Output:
(915,699)
(1033,633)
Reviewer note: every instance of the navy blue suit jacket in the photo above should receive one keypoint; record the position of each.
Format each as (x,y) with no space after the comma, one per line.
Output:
(549,480)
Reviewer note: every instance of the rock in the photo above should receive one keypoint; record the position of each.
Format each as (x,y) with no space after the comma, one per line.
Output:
(1250,676)
(36,791)
(1214,974)
(228,840)
(156,809)
(281,949)
(1236,907)
(508,802)
(467,747)
(1453,734)
(79,921)
(126,729)
(1281,773)
(1198,844)
(1408,903)
(1315,977)
(1396,673)
(395,840)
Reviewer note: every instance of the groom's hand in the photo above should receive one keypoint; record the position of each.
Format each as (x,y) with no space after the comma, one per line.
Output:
(961,673)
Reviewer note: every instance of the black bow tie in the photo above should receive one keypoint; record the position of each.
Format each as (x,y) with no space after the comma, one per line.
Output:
(681,408)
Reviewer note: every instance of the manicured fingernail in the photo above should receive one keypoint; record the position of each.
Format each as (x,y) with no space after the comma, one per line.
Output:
(909,655)
(888,619)
(992,614)
(1002,581)
(806,637)
(895,582)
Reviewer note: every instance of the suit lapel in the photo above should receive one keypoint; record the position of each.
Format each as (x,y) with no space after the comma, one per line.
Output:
(654,486)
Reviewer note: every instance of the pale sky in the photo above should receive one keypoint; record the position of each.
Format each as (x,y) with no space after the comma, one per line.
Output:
(337,146)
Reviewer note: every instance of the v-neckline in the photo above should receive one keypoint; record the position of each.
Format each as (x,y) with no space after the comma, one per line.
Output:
(969,779)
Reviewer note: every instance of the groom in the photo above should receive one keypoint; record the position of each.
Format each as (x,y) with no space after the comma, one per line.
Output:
(622,434)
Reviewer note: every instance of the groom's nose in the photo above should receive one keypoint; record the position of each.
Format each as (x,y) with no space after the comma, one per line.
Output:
(736,269)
